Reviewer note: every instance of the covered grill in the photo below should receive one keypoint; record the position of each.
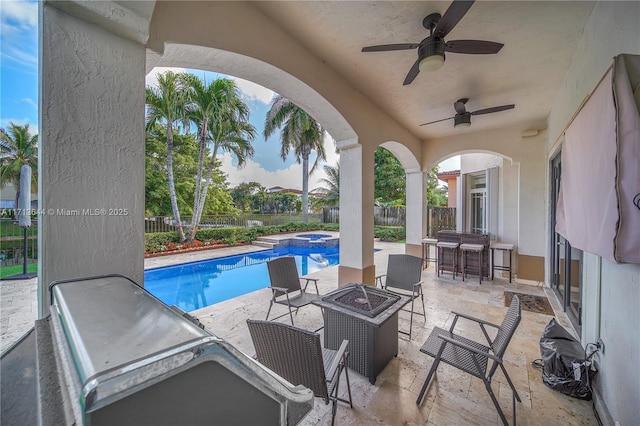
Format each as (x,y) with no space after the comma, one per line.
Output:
(126,358)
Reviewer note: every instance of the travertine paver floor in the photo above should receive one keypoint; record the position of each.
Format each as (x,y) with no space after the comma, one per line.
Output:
(18,309)
(454,398)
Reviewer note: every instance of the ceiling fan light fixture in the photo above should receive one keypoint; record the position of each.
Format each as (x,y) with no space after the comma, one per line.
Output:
(431,54)
(462,120)
(431,63)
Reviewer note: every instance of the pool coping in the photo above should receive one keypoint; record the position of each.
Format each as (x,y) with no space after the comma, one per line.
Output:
(178,258)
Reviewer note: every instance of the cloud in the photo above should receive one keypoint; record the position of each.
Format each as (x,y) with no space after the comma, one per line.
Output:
(449,164)
(19,56)
(253,91)
(151,79)
(30,102)
(19,30)
(290,177)
(248,89)
(20,14)
(33,128)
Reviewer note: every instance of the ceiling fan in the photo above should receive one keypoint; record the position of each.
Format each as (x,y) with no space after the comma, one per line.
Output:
(463,117)
(431,49)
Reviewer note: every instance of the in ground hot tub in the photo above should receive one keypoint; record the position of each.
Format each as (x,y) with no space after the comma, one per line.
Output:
(314,237)
(312,241)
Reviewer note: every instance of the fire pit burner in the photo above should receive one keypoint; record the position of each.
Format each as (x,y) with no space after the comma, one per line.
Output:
(363,299)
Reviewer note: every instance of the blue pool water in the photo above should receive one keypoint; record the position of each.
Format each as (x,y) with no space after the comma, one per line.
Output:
(198,284)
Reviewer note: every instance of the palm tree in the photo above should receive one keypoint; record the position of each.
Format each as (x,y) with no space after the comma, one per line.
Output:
(222,120)
(332,195)
(18,148)
(300,133)
(166,104)
(260,200)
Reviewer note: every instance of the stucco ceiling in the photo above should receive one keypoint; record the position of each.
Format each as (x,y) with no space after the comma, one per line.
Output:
(539,41)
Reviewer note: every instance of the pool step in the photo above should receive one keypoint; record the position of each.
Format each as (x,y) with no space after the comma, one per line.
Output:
(266,242)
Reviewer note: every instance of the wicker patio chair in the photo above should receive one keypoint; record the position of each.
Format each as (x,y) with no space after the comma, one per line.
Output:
(285,286)
(403,276)
(297,356)
(473,357)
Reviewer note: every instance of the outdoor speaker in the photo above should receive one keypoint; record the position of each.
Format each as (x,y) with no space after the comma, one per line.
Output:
(24,198)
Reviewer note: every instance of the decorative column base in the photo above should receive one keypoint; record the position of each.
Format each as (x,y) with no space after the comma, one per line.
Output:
(347,275)
(413,249)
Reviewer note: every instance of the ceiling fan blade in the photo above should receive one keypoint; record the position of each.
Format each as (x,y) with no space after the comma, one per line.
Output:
(437,121)
(413,73)
(451,17)
(388,47)
(493,109)
(477,47)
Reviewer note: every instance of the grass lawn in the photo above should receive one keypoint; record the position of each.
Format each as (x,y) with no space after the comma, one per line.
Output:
(5,271)
(11,229)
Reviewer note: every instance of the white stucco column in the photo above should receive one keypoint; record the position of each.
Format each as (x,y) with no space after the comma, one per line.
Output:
(91,164)
(416,221)
(356,214)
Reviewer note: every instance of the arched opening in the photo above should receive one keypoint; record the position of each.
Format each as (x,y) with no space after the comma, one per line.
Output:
(259,72)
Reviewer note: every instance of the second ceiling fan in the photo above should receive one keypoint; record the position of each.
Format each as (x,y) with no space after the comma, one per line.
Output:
(431,50)
(463,117)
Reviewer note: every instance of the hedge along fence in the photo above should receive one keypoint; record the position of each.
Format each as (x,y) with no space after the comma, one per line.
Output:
(169,241)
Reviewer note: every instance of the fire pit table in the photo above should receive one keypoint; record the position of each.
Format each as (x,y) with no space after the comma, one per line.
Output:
(368,318)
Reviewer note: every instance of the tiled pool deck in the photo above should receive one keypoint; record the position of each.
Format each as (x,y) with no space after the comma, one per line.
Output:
(454,398)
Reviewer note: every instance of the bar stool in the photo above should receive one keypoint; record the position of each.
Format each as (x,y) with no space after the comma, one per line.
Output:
(426,251)
(472,248)
(442,246)
(504,247)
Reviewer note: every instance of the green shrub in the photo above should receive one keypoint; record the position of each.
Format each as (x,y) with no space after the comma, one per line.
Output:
(389,233)
(158,241)
(331,227)
(163,241)
(221,235)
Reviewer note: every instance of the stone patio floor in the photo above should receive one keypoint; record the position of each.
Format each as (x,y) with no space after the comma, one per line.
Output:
(454,397)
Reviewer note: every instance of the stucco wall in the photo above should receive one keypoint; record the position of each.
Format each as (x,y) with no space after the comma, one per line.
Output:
(528,155)
(92,152)
(611,292)
(509,202)
(479,161)
(508,185)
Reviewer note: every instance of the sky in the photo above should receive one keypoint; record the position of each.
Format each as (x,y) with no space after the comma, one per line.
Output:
(19,63)
(19,104)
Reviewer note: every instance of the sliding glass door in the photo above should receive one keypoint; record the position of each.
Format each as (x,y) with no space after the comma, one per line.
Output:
(565,261)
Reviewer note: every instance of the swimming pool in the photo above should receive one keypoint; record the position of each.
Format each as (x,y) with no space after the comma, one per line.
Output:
(195,285)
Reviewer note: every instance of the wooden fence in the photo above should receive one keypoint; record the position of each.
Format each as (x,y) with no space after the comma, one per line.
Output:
(438,218)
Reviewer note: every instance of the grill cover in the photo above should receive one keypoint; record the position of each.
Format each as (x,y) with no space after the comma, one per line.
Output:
(127,358)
